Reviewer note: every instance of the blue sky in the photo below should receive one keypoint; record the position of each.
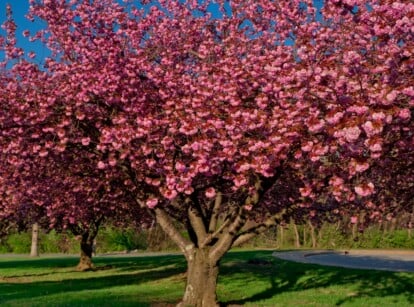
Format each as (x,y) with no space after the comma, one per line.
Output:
(20,9)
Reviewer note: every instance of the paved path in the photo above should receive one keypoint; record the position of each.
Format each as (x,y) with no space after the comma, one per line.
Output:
(388,260)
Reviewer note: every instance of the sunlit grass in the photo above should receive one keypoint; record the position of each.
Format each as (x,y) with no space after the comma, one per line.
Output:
(159,281)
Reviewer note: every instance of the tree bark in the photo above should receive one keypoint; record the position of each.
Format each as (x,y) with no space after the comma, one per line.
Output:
(297,237)
(354,231)
(313,235)
(202,273)
(393,224)
(34,250)
(304,236)
(202,255)
(208,242)
(282,236)
(86,247)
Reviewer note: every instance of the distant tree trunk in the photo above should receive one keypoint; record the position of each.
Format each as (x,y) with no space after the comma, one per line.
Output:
(87,244)
(354,221)
(94,247)
(297,237)
(320,234)
(86,247)
(312,233)
(305,242)
(157,239)
(34,250)
(393,224)
(282,236)
(354,230)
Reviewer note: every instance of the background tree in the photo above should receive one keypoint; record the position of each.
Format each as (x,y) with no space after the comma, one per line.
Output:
(75,197)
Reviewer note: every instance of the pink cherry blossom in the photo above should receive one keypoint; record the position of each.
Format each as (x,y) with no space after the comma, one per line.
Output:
(306,191)
(152,203)
(336,181)
(372,128)
(364,189)
(376,147)
(170,194)
(351,134)
(335,118)
(85,141)
(101,165)
(307,147)
(358,167)
(391,96)
(404,114)
(43,153)
(210,192)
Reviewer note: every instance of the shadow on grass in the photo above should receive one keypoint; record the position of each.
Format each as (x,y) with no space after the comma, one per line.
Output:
(264,278)
(38,263)
(125,271)
(59,265)
(71,261)
(285,276)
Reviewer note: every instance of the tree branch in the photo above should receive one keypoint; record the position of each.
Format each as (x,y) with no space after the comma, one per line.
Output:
(215,213)
(226,239)
(197,223)
(167,225)
(252,231)
(210,237)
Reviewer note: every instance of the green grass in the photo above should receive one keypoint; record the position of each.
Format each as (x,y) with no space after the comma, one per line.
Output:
(159,281)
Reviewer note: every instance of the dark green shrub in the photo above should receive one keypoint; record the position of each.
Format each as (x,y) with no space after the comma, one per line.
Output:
(20,243)
(53,242)
(113,239)
(5,247)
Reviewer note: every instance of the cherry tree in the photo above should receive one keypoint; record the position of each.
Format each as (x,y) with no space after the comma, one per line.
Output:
(61,189)
(79,198)
(66,193)
(208,116)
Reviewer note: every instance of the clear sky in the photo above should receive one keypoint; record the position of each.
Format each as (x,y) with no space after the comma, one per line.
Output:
(20,9)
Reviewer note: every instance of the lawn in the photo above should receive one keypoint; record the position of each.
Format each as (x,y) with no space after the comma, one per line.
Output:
(159,281)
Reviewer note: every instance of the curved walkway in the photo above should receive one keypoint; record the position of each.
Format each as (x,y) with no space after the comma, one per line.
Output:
(388,260)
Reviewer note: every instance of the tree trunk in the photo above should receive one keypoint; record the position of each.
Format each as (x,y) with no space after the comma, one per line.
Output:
(282,236)
(305,242)
(34,250)
(201,284)
(209,242)
(297,237)
(354,231)
(393,224)
(86,246)
(312,233)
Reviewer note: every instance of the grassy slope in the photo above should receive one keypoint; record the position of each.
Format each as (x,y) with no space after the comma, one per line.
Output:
(159,281)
